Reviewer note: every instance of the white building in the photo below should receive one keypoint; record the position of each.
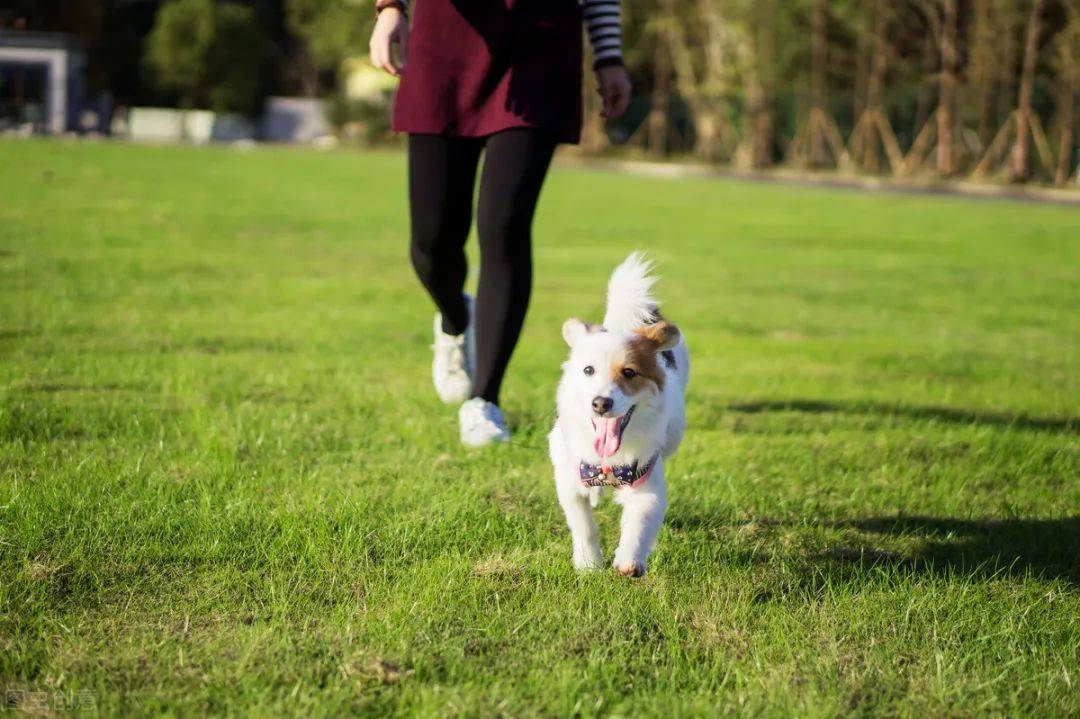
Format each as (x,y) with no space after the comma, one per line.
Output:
(42,81)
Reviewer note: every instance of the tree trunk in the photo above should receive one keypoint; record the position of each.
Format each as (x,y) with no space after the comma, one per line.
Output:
(759,94)
(863,66)
(692,88)
(658,120)
(1021,154)
(818,57)
(876,83)
(707,137)
(1068,72)
(1006,21)
(299,71)
(718,136)
(925,96)
(759,104)
(1065,143)
(984,56)
(946,163)
(863,144)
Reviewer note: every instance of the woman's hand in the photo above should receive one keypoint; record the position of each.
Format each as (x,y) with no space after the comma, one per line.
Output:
(614,90)
(391,28)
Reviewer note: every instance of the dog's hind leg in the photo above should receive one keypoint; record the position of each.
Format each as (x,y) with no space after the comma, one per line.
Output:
(579,517)
(643,513)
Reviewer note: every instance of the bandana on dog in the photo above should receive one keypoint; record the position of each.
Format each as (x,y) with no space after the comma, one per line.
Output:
(619,475)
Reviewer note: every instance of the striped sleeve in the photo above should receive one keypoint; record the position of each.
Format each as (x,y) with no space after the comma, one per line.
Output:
(604,23)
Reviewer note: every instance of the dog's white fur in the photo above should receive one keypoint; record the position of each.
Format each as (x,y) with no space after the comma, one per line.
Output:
(657,425)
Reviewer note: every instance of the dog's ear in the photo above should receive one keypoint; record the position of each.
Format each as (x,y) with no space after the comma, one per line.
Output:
(573,330)
(663,334)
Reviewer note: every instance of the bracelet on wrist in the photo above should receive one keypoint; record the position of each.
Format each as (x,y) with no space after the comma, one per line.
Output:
(400,6)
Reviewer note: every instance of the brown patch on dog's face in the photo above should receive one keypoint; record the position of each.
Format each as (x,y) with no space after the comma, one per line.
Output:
(635,367)
(638,365)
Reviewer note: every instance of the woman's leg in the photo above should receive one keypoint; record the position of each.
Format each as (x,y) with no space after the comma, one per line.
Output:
(442,171)
(515,163)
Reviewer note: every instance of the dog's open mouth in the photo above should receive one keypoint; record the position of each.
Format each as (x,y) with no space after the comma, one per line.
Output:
(608,431)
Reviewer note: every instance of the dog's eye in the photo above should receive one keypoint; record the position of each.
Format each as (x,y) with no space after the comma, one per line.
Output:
(588,370)
(629,372)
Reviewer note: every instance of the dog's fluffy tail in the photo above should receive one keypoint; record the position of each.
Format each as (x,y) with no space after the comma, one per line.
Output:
(630,302)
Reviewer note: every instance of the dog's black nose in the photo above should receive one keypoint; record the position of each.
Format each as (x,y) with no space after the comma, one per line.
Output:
(602,405)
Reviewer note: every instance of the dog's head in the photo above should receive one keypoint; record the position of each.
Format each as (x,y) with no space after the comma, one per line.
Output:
(610,375)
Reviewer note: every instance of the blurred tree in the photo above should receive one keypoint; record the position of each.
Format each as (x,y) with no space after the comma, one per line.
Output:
(700,45)
(658,121)
(745,81)
(946,161)
(207,53)
(753,36)
(1022,127)
(329,31)
(941,133)
(234,60)
(178,48)
(1026,122)
(817,142)
(873,134)
(990,69)
(1067,64)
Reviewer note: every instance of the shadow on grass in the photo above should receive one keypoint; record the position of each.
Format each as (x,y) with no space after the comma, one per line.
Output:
(1046,548)
(32,387)
(1063,425)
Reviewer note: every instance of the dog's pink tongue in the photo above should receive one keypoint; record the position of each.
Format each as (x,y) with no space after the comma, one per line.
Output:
(607,439)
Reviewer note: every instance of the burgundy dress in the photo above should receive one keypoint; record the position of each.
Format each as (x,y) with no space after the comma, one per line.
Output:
(476,67)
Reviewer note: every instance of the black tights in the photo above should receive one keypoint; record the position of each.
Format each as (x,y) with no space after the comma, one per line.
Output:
(442,172)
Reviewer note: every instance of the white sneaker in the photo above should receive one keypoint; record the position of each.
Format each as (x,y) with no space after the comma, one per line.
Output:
(482,423)
(452,367)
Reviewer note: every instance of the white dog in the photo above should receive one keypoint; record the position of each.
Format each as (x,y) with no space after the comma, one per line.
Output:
(621,412)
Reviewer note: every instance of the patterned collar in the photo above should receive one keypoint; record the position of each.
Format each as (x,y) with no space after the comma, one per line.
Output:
(619,475)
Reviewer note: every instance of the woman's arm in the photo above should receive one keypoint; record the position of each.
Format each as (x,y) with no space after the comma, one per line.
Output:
(391,28)
(603,20)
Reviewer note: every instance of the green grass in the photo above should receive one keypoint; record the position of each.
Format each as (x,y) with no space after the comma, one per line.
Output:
(226,485)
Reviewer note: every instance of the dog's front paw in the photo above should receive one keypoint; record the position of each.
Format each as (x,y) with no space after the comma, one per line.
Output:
(630,568)
(587,565)
(588,559)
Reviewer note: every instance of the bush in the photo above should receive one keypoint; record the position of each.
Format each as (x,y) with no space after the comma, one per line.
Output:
(207,53)
(367,120)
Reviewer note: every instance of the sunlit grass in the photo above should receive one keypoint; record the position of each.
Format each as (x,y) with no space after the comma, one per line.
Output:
(226,484)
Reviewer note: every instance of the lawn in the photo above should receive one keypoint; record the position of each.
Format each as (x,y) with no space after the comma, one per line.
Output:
(226,485)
